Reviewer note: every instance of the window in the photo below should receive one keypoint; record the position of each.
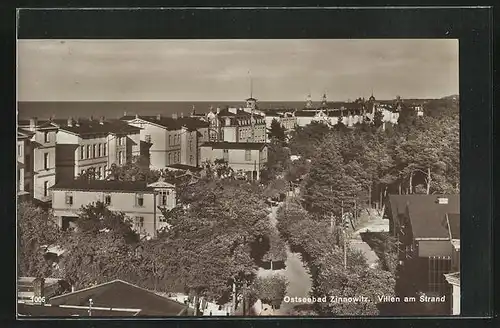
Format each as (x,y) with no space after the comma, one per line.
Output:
(148,138)
(225,152)
(69,198)
(99,172)
(107,199)
(45,188)
(169,140)
(163,198)
(82,152)
(105,170)
(162,219)
(139,223)
(139,200)
(438,266)
(119,141)
(46,137)
(94,151)
(19,151)
(88,151)
(248,155)
(46,161)
(99,150)
(104,150)
(191,159)
(120,158)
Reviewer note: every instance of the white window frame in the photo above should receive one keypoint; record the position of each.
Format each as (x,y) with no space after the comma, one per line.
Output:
(68,198)
(46,161)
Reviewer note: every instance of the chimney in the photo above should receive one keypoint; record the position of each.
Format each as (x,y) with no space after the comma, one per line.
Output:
(442,200)
(125,113)
(182,114)
(52,117)
(218,110)
(91,118)
(158,117)
(70,122)
(174,116)
(101,121)
(33,123)
(77,123)
(136,116)
(38,290)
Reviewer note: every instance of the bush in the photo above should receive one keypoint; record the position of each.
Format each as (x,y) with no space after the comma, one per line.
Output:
(270,290)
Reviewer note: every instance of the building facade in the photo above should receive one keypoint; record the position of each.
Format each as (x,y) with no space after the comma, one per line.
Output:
(426,227)
(40,156)
(24,164)
(170,140)
(142,203)
(247,158)
(94,144)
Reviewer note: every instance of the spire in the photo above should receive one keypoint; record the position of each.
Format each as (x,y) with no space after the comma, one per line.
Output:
(308,101)
(251,84)
(193,111)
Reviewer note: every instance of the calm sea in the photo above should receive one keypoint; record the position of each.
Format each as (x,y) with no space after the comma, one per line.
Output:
(83,109)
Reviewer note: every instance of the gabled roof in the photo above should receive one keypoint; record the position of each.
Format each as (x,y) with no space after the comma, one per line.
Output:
(123,295)
(235,145)
(24,134)
(89,127)
(169,123)
(185,167)
(102,185)
(454,225)
(427,216)
(48,310)
(40,125)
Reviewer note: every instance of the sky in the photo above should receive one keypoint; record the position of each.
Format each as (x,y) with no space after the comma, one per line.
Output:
(220,70)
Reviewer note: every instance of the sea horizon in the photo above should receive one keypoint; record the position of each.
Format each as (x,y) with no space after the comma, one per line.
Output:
(117,109)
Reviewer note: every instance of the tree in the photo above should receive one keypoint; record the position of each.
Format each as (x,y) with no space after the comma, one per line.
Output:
(96,216)
(136,169)
(219,169)
(278,160)
(378,119)
(304,140)
(89,175)
(328,184)
(277,131)
(211,240)
(37,229)
(95,258)
(407,117)
(270,290)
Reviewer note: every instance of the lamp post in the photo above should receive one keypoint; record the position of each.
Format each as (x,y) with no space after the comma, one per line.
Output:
(90,307)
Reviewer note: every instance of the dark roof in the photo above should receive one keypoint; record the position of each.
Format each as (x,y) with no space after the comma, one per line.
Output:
(22,133)
(102,185)
(454,225)
(427,217)
(40,124)
(123,295)
(235,145)
(56,311)
(191,123)
(185,167)
(88,127)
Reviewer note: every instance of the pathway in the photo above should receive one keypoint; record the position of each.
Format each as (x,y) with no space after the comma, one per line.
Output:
(295,271)
(372,223)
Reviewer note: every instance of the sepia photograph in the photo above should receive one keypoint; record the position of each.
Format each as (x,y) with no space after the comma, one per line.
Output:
(238,177)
